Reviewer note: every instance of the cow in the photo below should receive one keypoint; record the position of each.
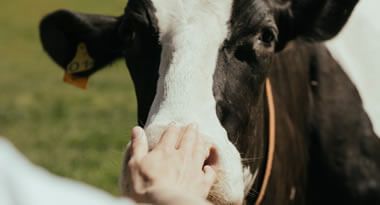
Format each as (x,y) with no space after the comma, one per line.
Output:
(287,123)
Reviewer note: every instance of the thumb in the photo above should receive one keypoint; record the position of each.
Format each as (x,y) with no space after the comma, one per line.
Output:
(139,144)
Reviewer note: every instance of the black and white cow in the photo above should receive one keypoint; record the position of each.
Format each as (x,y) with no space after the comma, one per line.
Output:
(206,61)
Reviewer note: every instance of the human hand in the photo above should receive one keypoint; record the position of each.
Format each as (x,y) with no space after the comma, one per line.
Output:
(174,168)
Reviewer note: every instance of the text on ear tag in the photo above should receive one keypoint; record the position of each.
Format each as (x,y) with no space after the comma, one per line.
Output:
(81,62)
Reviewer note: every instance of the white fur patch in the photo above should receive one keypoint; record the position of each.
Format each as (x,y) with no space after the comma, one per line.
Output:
(249,180)
(191,33)
(357,49)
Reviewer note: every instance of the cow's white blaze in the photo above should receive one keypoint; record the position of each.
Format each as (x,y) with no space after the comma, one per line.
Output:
(191,33)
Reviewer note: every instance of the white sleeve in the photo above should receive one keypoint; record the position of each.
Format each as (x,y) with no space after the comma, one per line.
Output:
(22,183)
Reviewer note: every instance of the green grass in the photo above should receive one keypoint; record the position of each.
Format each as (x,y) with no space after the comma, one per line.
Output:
(73,133)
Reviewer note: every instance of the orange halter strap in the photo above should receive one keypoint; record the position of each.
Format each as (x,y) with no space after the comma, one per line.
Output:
(271,141)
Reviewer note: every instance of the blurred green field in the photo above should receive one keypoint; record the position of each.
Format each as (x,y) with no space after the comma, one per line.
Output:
(72,133)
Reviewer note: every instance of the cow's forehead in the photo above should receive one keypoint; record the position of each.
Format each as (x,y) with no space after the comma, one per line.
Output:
(176,16)
(228,18)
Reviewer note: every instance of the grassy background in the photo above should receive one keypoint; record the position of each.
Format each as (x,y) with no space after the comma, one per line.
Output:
(72,133)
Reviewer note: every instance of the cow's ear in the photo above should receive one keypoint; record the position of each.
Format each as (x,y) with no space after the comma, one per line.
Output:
(313,20)
(81,43)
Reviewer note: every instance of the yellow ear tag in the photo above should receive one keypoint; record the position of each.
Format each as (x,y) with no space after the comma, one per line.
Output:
(82,62)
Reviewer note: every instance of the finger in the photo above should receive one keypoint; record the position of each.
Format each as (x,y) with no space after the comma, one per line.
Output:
(209,176)
(169,137)
(139,144)
(189,139)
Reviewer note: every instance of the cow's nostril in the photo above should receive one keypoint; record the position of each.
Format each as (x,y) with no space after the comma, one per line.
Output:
(212,159)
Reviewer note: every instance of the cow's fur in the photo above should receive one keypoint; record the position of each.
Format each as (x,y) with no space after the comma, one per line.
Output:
(327,152)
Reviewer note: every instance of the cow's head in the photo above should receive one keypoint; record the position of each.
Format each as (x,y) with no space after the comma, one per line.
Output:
(199,61)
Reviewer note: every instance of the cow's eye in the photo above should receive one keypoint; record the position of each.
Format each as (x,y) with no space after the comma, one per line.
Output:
(267,37)
(257,48)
